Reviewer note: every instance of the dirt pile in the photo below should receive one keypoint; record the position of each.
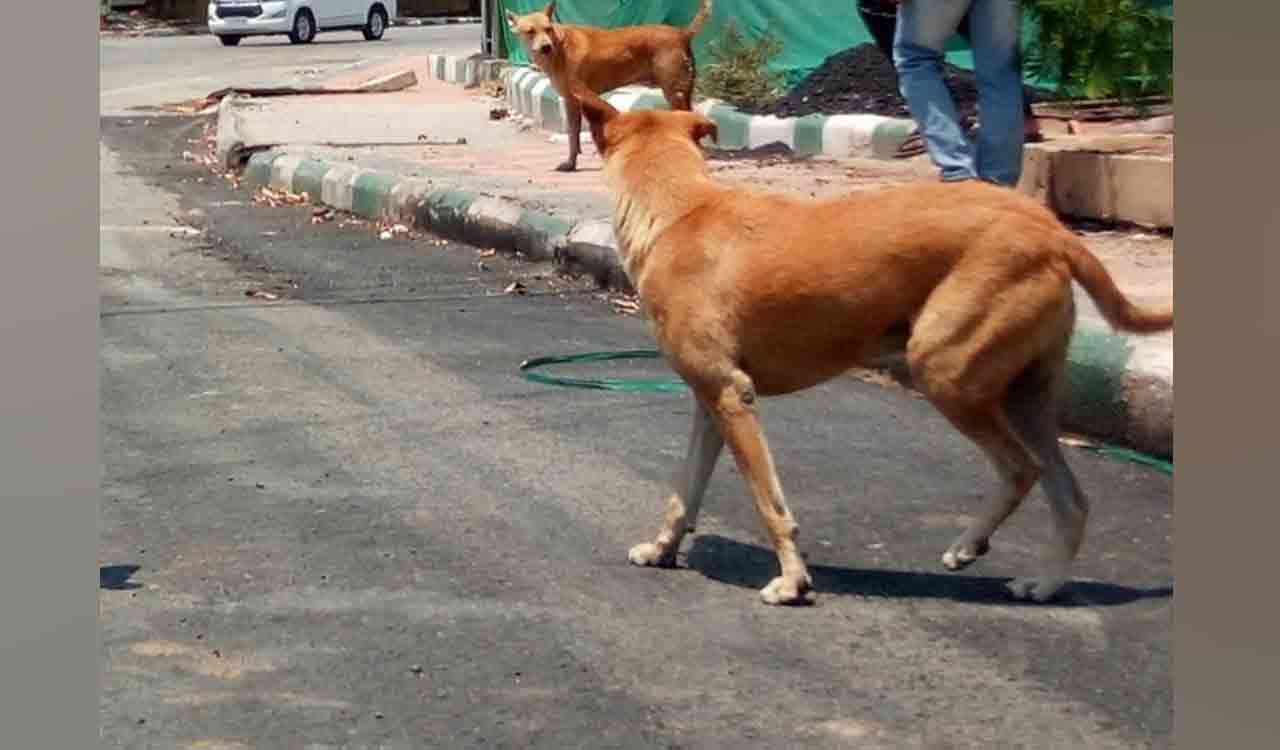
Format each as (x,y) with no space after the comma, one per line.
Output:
(861,80)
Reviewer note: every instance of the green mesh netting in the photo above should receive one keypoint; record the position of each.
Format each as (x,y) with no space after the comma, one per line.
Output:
(810,30)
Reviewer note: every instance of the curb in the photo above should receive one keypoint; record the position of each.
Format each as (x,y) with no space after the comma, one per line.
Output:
(1120,388)
(466,71)
(530,93)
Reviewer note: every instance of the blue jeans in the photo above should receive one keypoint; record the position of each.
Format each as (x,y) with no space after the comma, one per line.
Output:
(995,25)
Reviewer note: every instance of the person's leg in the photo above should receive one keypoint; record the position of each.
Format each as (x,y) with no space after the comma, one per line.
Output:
(923,29)
(1031,128)
(996,45)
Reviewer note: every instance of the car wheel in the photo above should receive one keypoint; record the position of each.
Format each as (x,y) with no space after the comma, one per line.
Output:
(304,28)
(376,26)
(229,40)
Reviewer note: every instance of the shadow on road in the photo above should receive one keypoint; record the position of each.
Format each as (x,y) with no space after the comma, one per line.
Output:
(116,577)
(750,566)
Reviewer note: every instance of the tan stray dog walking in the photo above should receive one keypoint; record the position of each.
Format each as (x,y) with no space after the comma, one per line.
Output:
(606,59)
(752,294)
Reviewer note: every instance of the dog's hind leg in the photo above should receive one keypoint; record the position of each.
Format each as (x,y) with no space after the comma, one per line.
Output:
(1033,408)
(705,445)
(963,357)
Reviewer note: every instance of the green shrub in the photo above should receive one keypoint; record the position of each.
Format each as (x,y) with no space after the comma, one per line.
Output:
(738,69)
(1101,49)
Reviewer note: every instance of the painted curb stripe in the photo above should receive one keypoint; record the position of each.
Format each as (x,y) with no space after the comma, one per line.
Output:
(309,178)
(734,126)
(369,193)
(808,134)
(1095,394)
(888,135)
(763,130)
(336,190)
(258,170)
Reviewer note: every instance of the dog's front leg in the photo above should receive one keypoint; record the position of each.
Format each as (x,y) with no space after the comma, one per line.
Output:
(704,448)
(573,124)
(735,415)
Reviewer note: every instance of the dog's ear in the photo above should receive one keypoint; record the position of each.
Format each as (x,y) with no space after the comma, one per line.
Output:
(702,127)
(551,11)
(513,22)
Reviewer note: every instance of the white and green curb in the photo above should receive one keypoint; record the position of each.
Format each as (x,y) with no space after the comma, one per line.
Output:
(467,71)
(1120,388)
(530,94)
(479,220)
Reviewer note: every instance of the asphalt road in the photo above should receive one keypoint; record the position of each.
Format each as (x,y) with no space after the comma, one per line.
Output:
(342,520)
(159,70)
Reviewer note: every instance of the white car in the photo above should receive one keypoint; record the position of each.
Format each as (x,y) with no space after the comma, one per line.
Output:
(301,20)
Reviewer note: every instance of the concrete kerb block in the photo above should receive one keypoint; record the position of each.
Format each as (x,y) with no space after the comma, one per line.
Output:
(229,144)
(282,170)
(337,186)
(1120,389)
(403,202)
(592,250)
(492,222)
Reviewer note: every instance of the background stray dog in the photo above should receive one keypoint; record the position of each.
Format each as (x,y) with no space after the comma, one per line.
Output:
(754,294)
(606,59)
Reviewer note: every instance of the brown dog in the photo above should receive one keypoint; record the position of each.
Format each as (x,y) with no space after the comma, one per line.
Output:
(753,294)
(606,59)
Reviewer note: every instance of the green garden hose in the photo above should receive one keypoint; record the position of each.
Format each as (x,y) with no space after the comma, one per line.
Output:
(676,385)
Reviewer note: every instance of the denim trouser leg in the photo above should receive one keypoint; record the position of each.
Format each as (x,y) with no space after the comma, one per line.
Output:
(923,28)
(994,27)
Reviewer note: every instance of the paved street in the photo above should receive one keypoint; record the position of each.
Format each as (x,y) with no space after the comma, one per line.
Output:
(342,520)
(153,71)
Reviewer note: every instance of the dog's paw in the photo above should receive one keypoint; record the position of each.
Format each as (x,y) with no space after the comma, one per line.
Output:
(1038,590)
(650,555)
(567,166)
(787,591)
(963,554)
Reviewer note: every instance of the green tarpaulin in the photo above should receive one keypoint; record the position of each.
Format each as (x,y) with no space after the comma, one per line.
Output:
(810,30)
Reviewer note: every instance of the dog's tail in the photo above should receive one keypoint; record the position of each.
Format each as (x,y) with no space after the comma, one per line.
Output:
(1115,307)
(699,20)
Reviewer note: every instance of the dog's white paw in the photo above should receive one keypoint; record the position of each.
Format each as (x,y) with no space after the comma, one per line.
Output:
(787,591)
(1040,589)
(650,555)
(963,554)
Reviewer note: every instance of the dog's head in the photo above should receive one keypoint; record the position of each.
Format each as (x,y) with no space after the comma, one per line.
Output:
(612,130)
(537,31)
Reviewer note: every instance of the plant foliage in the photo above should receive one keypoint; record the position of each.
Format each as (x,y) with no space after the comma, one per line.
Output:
(738,72)
(1101,49)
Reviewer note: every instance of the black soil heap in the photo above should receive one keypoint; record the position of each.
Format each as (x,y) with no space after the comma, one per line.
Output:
(861,80)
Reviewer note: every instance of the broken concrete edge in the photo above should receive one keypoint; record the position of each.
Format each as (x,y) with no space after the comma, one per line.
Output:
(529,93)
(1119,388)
(229,143)
(398,81)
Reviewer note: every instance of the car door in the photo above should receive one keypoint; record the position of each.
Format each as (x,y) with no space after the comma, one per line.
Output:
(330,13)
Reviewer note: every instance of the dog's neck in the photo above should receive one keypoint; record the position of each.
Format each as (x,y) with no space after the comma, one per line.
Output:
(653,188)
